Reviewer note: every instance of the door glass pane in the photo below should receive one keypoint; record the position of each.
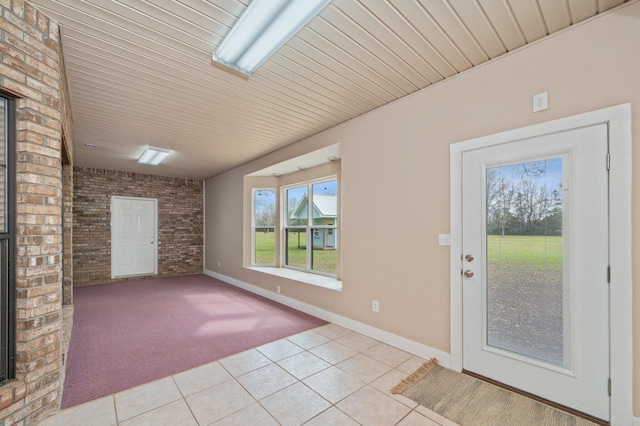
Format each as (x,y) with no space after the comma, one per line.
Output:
(264,217)
(525,301)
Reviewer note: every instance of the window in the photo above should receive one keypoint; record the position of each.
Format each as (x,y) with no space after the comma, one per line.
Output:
(264,227)
(7,170)
(296,227)
(311,227)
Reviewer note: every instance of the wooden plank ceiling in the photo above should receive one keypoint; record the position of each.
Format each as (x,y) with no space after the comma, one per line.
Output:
(140,72)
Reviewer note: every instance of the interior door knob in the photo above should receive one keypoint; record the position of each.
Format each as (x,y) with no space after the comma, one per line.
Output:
(468,273)
(469,258)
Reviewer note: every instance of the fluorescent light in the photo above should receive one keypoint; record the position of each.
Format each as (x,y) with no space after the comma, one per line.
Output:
(264,27)
(153,156)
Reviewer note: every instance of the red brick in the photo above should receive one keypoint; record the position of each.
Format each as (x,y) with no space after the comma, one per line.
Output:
(13,74)
(31,15)
(7,26)
(43,24)
(21,89)
(18,8)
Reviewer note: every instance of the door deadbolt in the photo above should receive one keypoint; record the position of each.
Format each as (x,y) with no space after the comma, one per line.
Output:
(468,273)
(469,258)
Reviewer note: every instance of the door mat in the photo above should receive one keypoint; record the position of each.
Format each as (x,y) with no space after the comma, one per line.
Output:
(472,402)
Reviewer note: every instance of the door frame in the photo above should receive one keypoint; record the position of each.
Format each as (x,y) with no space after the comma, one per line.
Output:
(155,233)
(620,348)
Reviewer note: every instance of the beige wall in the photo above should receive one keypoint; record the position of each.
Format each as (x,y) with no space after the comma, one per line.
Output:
(400,154)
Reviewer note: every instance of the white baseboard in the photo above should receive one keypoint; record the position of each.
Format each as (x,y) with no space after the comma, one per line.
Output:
(636,421)
(399,342)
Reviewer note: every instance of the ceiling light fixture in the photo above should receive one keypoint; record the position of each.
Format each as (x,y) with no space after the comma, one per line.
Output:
(153,156)
(264,27)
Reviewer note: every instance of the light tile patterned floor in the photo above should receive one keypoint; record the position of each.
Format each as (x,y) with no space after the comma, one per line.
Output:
(326,376)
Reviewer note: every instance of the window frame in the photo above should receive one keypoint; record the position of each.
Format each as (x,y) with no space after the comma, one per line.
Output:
(309,227)
(7,239)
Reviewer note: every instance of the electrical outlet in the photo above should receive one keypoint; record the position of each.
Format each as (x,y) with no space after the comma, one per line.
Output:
(278,289)
(540,102)
(444,239)
(375,306)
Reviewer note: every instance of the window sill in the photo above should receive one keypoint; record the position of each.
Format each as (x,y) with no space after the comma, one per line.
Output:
(304,277)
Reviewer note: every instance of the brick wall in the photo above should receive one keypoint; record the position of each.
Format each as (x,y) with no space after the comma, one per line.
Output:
(67,265)
(67,170)
(30,70)
(180,221)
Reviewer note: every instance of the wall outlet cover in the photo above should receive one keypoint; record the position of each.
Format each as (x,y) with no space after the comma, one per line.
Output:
(540,101)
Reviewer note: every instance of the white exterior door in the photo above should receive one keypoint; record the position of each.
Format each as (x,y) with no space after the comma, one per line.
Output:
(133,236)
(535,292)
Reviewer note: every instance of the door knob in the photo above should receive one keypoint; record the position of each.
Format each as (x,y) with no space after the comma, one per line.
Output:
(468,273)
(469,258)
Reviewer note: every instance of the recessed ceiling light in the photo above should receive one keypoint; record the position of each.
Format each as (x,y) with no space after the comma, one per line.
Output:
(153,156)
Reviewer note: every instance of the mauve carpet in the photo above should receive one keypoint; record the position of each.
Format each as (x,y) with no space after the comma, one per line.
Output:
(129,333)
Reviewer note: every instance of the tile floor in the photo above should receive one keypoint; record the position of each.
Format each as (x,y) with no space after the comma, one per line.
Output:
(326,376)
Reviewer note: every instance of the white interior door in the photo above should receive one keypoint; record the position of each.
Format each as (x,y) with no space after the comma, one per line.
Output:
(133,236)
(535,282)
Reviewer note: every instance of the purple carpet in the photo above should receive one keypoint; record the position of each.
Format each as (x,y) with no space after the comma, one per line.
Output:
(129,333)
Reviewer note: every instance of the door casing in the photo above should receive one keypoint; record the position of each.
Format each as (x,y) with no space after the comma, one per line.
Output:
(620,309)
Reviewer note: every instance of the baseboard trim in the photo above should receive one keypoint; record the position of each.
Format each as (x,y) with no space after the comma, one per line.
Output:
(636,421)
(399,342)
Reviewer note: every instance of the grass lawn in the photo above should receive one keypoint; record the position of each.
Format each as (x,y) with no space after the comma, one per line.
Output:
(525,249)
(323,260)
(265,247)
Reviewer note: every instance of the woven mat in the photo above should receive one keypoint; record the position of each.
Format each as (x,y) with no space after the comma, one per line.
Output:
(472,402)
